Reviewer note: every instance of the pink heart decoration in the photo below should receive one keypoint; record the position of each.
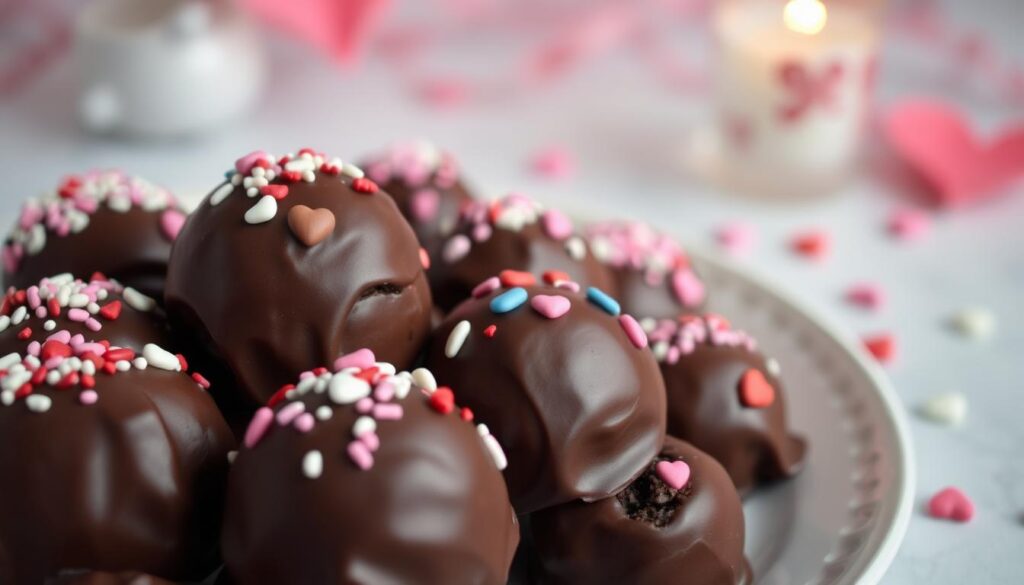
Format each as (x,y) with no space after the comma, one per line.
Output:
(936,142)
(171,222)
(551,306)
(951,504)
(675,474)
(424,205)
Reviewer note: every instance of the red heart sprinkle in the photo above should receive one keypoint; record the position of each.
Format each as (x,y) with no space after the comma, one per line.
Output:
(54,348)
(111,310)
(882,346)
(510,278)
(490,330)
(814,245)
(443,400)
(951,504)
(276,191)
(755,390)
(364,185)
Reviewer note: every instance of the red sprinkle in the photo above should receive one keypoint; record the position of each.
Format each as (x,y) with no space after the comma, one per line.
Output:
(755,390)
(466,414)
(116,355)
(88,381)
(329,169)
(276,191)
(182,362)
(23,390)
(69,380)
(111,311)
(110,367)
(7,307)
(53,306)
(278,396)
(38,376)
(883,347)
(364,185)
(25,333)
(92,357)
(291,176)
(368,374)
(199,379)
(490,331)
(320,371)
(510,278)
(20,296)
(443,400)
(814,245)
(555,276)
(98,276)
(54,348)
(424,259)
(68,187)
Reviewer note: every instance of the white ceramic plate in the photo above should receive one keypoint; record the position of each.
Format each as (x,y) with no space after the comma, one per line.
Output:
(842,519)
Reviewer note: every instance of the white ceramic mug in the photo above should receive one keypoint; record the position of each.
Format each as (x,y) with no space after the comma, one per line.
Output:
(161,68)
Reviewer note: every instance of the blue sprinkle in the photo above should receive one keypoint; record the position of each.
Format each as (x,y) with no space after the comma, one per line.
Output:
(229,173)
(601,299)
(509,300)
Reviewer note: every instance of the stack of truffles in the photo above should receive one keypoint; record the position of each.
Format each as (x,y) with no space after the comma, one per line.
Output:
(341,374)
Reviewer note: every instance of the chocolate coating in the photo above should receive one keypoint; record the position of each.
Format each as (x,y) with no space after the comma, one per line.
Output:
(132,482)
(131,244)
(431,508)
(706,408)
(650,533)
(103,578)
(425,184)
(511,233)
(265,305)
(578,408)
(653,274)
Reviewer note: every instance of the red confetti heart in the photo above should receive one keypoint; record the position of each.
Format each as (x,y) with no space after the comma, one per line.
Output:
(883,347)
(276,191)
(54,348)
(755,390)
(814,245)
(951,504)
(511,278)
(364,185)
(443,400)
(111,310)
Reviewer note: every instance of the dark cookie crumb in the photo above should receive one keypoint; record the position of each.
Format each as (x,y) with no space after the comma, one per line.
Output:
(649,499)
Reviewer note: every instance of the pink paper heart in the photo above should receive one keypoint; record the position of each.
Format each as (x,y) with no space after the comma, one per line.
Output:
(551,306)
(936,142)
(951,504)
(674,473)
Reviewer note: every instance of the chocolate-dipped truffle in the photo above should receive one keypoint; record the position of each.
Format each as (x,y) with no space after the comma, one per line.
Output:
(104,578)
(370,477)
(513,232)
(679,522)
(652,271)
(113,459)
(424,181)
(726,398)
(565,382)
(291,262)
(100,221)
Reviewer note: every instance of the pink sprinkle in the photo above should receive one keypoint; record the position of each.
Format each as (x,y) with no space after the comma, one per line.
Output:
(554,162)
(456,248)
(96,348)
(33,348)
(93,324)
(63,336)
(76,340)
(951,504)
(171,222)
(908,224)
(424,205)
(247,162)
(387,411)
(258,427)
(33,297)
(687,287)
(41,312)
(306,375)
(53,362)
(10,259)
(286,415)
(736,238)
(486,287)
(305,422)
(384,392)
(569,285)
(360,358)
(556,224)
(88,397)
(364,405)
(633,330)
(78,315)
(371,440)
(360,455)
(482,232)
(866,295)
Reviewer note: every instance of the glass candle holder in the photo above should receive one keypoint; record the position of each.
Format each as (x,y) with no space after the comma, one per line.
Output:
(794,80)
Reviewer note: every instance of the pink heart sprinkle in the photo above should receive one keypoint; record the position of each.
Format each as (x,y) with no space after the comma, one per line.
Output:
(171,222)
(360,358)
(556,224)
(424,205)
(551,306)
(245,164)
(736,238)
(554,163)
(867,295)
(689,290)
(674,473)
(908,224)
(951,504)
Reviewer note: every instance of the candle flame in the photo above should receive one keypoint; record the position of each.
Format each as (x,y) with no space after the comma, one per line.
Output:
(805,16)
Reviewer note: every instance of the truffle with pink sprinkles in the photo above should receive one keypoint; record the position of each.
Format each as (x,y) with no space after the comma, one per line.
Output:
(381,455)
(108,221)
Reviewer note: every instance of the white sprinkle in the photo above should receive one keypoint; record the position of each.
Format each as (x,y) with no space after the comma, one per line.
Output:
(424,378)
(36,240)
(52,377)
(321,385)
(88,368)
(248,182)
(78,300)
(497,453)
(264,210)
(119,203)
(124,365)
(386,368)
(159,357)
(949,408)
(64,295)
(232,455)
(300,165)
(305,385)
(313,464)
(236,179)
(19,315)
(308,176)
(401,385)
(773,367)
(32,361)
(252,192)
(363,425)
(576,248)
(648,324)
(137,300)
(92,308)
(324,413)
(7,397)
(976,323)
(346,389)
(5,322)
(38,402)
(141,363)
(456,338)
(660,350)
(352,171)
(221,193)
(9,360)
(101,294)
(49,325)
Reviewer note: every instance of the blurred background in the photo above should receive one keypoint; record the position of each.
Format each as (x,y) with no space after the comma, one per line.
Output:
(873,146)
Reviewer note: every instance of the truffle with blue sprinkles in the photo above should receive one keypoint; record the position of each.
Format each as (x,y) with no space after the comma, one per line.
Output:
(566,382)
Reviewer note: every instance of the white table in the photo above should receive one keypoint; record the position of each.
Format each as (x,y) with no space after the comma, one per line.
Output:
(627,133)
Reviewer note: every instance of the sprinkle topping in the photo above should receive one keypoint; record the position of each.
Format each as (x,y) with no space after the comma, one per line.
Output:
(674,338)
(675,474)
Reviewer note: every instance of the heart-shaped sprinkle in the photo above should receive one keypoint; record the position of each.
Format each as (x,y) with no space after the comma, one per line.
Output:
(424,205)
(814,245)
(755,390)
(443,400)
(556,224)
(675,474)
(490,330)
(867,295)
(171,222)
(551,306)
(951,504)
(278,192)
(511,278)
(949,408)
(310,226)
(883,347)
(111,311)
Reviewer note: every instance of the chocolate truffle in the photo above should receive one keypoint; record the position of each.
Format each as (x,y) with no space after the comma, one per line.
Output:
(103,578)
(112,461)
(291,262)
(726,398)
(424,181)
(358,475)
(101,221)
(679,522)
(513,232)
(652,272)
(565,382)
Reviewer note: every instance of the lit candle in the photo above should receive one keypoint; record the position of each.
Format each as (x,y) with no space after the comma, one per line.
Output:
(794,85)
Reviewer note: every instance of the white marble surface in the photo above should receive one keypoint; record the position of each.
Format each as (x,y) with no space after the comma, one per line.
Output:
(627,133)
